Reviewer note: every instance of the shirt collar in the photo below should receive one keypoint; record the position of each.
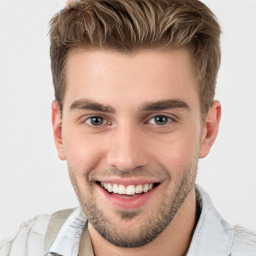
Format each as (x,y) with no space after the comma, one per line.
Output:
(213,235)
(68,239)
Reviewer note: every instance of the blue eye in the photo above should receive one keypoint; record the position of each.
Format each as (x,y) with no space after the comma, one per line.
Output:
(95,121)
(160,120)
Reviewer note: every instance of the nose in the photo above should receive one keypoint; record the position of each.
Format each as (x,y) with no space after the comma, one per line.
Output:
(126,149)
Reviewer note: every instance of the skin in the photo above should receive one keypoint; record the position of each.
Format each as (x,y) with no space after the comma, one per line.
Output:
(130,146)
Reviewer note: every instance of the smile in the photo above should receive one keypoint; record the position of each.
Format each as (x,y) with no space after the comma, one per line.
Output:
(128,194)
(127,190)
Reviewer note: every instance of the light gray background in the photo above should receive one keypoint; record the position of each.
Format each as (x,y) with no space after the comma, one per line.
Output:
(33,180)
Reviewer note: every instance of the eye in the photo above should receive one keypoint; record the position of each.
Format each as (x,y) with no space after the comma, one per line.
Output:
(95,121)
(160,120)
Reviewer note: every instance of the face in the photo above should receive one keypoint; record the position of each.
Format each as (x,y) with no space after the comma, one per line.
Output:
(131,133)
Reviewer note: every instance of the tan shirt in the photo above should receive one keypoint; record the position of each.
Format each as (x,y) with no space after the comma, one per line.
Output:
(85,248)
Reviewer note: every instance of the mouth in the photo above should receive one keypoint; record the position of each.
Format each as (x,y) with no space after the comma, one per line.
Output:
(127,196)
(128,190)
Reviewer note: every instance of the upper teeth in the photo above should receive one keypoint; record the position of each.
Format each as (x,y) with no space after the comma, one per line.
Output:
(127,190)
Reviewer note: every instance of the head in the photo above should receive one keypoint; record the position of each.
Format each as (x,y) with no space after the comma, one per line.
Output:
(134,85)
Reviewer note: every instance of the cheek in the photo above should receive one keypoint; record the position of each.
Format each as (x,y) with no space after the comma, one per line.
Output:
(179,152)
(82,152)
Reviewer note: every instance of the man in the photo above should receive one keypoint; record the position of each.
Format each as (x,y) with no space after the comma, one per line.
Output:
(134,111)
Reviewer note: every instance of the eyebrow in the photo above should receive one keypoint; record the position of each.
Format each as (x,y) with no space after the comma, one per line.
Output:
(164,104)
(88,104)
(91,105)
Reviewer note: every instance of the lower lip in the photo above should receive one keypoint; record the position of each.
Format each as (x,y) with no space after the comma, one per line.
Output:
(128,202)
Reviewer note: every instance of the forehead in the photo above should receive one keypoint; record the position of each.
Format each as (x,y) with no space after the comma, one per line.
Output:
(145,75)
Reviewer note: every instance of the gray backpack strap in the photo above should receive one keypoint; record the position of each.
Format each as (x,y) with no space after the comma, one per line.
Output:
(55,224)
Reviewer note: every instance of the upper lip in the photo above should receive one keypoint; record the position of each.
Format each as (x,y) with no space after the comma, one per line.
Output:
(130,181)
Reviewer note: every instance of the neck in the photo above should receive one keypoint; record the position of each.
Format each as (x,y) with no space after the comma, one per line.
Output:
(173,241)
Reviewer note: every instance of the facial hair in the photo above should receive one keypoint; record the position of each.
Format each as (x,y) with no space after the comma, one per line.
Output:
(149,229)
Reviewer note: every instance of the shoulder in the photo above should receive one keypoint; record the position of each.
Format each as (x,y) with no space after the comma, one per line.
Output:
(244,242)
(30,237)
(33,229)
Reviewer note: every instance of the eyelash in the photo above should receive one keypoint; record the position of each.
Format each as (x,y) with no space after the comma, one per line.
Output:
(169,119)
(99,117)
(105,122)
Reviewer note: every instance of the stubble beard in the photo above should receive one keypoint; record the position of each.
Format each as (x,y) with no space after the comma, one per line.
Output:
(147,230)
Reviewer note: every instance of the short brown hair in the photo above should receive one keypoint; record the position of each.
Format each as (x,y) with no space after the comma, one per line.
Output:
(126,25)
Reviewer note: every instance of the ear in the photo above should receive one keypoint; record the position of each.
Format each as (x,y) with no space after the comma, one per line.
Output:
(57,129)
(210,129)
